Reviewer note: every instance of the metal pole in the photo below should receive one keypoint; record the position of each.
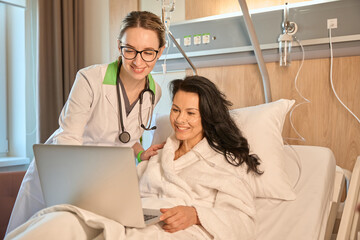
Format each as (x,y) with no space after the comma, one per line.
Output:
(177,44)
(182,52)
(258,53)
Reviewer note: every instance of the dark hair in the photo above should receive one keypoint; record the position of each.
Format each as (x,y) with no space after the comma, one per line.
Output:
(219,128)
(146,20)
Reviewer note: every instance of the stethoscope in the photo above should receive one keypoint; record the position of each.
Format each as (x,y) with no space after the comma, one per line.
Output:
(124,136)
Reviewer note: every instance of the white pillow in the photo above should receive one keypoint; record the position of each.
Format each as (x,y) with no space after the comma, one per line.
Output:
(163,128)
(262,126)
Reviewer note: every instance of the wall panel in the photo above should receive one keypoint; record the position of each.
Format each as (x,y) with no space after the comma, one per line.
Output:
(117,11)
(323,122)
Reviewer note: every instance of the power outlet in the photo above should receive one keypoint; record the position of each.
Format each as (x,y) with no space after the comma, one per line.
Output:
(332,23)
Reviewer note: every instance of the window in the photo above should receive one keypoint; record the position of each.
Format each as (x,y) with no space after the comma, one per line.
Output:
(3,100)
(17,81)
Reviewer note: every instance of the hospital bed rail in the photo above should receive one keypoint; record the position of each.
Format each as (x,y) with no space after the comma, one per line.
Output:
(350,218)
(336,202)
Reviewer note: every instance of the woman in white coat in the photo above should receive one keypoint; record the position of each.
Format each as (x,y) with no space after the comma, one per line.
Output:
(109,104)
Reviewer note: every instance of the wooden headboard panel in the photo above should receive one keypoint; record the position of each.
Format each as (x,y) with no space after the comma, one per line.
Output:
(323,122)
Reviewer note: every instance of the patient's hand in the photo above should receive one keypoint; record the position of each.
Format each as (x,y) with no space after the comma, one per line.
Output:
(151,151)
(178,218)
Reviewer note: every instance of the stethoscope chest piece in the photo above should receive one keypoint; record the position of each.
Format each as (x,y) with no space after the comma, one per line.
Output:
(124,137)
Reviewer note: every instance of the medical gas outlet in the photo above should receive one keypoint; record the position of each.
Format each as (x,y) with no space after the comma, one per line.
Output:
(198,39)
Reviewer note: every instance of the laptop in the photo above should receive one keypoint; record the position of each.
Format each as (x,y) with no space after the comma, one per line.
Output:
(100,179)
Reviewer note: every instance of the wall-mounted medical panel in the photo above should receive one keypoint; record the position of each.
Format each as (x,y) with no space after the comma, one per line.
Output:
(224,40)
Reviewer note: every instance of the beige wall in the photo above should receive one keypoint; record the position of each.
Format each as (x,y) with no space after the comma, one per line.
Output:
(118,10)
(96,32)
(155,6)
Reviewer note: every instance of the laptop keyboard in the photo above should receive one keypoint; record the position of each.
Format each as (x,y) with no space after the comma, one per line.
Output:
(148,217)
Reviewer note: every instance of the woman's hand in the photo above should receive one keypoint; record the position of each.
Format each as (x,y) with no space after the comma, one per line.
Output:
(178,218)
(151,151)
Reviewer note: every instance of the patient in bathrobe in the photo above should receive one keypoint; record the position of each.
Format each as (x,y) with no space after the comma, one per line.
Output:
(201,180)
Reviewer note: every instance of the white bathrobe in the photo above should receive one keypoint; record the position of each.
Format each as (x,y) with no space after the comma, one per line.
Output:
(201,178)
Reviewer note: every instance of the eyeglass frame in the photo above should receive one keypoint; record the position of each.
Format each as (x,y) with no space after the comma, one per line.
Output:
(137,52)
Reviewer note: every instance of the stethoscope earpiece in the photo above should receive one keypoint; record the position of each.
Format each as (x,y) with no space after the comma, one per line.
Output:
(152,128)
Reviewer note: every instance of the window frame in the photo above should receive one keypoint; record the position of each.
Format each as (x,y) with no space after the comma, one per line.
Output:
(18,104)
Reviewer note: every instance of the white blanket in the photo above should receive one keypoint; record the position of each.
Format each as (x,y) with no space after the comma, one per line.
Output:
(201,178)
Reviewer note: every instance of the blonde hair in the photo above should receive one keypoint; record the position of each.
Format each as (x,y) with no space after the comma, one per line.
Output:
(146,20)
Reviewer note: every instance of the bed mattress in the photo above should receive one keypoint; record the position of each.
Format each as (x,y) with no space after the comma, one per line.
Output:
(312,172)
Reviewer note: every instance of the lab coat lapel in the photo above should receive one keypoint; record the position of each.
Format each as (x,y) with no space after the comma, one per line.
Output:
(111,96)
(109,85)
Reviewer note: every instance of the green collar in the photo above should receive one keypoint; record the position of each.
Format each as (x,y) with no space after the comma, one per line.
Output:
(110,76)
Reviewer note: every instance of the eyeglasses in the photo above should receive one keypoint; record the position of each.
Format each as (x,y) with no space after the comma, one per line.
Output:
(146,55)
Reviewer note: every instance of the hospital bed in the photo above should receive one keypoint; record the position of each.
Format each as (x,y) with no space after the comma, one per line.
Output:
(317,182)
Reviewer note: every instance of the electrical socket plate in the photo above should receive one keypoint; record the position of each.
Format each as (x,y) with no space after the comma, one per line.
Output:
(332,23)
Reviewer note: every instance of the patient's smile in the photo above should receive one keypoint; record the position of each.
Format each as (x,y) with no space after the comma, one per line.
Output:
(181,128)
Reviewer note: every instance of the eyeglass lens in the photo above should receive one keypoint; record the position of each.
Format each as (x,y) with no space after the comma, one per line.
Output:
(146,55)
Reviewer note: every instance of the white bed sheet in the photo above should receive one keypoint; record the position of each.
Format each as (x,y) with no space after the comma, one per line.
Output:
(306,217)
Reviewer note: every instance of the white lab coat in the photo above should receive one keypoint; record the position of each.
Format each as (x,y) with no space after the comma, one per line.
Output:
(89,117)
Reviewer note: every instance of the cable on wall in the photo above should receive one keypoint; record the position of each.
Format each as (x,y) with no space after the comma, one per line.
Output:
(331,78)
(300,137)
